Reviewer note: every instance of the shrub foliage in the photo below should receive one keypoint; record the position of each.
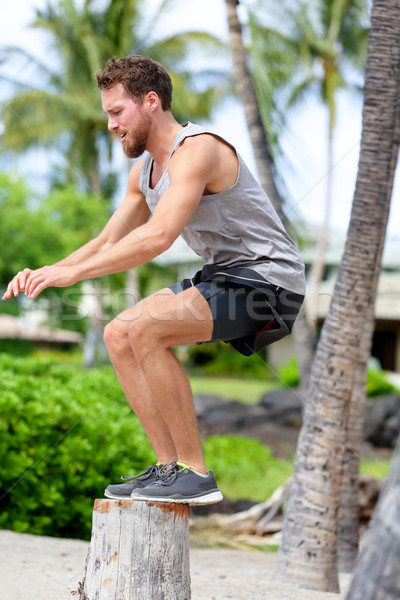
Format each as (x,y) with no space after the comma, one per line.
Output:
(64,435)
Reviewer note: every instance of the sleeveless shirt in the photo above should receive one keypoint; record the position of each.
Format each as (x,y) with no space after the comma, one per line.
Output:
(235,228)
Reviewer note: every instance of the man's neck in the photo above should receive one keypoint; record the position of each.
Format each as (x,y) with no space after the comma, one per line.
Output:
(162,138)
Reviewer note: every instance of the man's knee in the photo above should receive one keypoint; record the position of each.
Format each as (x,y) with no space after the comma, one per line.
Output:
(142,334)
(116,336)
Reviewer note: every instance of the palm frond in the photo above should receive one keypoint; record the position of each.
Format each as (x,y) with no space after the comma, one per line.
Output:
(61,108)
(20,59)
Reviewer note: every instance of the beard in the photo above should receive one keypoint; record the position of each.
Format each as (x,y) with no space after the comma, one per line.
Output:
(135,143)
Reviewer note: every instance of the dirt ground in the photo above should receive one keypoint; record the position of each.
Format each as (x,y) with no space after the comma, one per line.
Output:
(45,568)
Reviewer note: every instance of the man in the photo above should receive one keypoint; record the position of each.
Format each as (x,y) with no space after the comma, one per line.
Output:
(190,183)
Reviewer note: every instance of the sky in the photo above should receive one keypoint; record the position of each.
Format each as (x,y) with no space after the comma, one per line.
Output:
(304,144)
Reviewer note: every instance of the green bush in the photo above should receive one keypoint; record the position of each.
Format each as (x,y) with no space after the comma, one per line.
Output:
(64,435)
(378,384)
(221,359)
(289,374)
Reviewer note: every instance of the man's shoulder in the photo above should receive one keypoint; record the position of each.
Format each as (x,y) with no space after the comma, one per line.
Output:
(135,175)
(207,157)
(202,139)
(197,148)
(206,147)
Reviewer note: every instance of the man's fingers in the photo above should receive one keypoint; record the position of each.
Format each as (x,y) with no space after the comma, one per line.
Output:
(29,283)
(14,286)
(37,289)
(7,293)
(23,277)
(33,283)
(17,284)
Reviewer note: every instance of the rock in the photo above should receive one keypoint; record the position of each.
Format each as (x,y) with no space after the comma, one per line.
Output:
(382,421)
(276,420)
(369,489)
(223,416)
(226,507)
(216,416)
(284,407)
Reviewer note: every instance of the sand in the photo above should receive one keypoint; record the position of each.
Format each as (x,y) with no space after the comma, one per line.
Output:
(44,568)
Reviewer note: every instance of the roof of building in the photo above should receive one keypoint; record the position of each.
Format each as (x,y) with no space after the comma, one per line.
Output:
(335,248)
(180,253)
(387,305)
(12,328)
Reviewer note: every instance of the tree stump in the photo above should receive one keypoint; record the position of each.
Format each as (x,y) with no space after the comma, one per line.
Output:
(138,551)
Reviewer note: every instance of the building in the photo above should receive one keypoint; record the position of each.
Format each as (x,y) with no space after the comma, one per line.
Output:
(14,328)
(386,339)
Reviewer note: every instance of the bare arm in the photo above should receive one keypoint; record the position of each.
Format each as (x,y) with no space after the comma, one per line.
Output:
(132,213)
(192,167)
(189,172)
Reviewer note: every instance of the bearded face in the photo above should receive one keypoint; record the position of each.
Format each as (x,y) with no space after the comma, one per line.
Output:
(127,118)
(134,142)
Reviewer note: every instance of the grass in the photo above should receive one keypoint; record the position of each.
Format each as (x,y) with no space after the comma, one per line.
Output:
(258,484)
(376,468)
(248,391)
(244,467)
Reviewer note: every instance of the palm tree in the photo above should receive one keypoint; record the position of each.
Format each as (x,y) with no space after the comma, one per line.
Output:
(247,93)
(307,555)
(61,108)
(377,571)
(308,47)
(263,153)
(348,518)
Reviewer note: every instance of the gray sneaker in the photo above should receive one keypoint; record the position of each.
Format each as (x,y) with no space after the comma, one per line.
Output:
(123,491)
(180,485)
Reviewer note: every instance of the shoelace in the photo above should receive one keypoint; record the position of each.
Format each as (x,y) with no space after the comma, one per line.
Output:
(170,472)
(151,470)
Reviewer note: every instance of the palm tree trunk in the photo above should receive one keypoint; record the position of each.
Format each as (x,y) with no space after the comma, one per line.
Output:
(94,351)
(376,576)
(132,293)
(349,520)
(94,182)
(247,94)
(307,554)
(303,338)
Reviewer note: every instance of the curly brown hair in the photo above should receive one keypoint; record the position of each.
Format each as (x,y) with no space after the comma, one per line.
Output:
(139,75)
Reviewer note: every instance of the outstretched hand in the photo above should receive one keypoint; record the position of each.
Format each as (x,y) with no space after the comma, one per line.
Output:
(34,282)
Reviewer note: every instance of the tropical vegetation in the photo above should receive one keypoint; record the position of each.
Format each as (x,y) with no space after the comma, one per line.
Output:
(331,429)
(59,106)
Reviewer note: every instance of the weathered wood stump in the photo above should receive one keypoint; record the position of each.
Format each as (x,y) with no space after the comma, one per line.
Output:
(138,551)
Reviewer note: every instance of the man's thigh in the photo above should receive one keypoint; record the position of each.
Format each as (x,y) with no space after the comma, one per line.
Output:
(174,318)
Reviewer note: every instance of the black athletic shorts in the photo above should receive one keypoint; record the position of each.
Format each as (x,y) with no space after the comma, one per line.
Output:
(249,317)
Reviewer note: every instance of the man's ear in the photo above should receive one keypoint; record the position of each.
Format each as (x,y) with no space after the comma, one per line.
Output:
(152,100)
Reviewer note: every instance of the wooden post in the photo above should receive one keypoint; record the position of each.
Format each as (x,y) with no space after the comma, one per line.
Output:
(138,551)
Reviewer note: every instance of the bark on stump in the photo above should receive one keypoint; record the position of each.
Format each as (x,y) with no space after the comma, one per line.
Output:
(138,551)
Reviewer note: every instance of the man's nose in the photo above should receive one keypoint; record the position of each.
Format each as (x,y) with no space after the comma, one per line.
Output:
(112,125)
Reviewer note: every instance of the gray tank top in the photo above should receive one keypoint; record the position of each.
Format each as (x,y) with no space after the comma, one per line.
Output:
(237,227)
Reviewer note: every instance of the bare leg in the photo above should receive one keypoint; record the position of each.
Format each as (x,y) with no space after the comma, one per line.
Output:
(139,342)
